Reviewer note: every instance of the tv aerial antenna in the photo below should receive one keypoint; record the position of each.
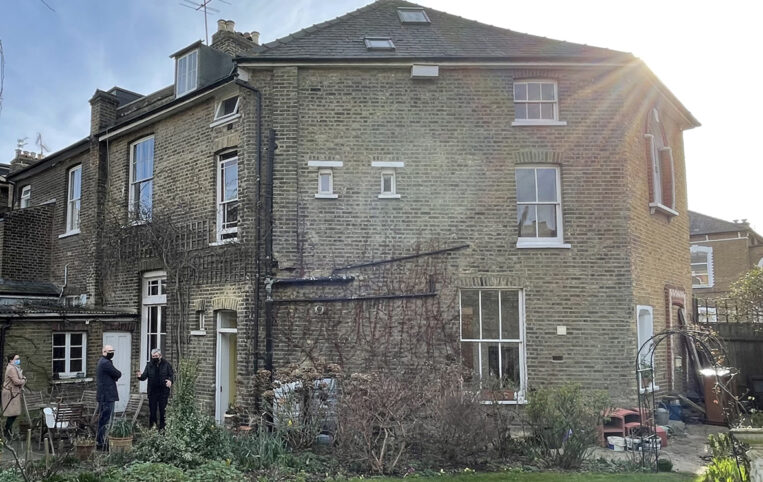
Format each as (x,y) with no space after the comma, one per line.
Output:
(203,7)
(38,142)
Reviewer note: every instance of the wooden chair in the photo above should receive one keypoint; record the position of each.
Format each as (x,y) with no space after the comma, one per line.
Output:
(66,418)
(33,403)
(134,404)
(90,404)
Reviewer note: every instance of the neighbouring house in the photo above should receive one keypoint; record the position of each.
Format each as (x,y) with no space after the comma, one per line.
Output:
(391,189)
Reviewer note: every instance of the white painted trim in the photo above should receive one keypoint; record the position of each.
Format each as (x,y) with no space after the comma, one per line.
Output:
(529,122)
(198,332)
(661,207)
(225,120)
(225,241)
(329,193)
(708,252)
(69,233)
(389,196)
(196,73)
(528,243)
(703,241)
(324,163)
(387,164)
(327,196)
(220,105)
(69,199)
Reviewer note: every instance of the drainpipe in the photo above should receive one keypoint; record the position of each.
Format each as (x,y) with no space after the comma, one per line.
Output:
(269,254)
(66,278)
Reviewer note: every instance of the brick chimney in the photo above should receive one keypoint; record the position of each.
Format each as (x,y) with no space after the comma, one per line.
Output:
(24,159)
(231,42)
(103,111)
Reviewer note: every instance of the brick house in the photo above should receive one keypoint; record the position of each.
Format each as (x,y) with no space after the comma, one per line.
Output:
(390,189)
(721,252)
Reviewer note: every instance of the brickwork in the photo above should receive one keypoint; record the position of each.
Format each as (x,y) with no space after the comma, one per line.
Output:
(734,253)
(26,256)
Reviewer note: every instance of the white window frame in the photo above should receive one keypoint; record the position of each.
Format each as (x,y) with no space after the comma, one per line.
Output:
(535,122)
(392,193)
(226,234)
(137,213)
(656,167)
(642,335)
(708,252)
(379,43)
(73,204)
(423,18)
(218,112)
(535,241)
(26,197)
(156,279)
(189,83)
(68,373)
(520,394)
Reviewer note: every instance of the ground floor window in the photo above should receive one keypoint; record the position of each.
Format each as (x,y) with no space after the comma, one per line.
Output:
(492,339)
(69,354)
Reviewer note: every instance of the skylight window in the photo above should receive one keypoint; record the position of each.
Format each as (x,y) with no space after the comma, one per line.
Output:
(379,43)
(412,15)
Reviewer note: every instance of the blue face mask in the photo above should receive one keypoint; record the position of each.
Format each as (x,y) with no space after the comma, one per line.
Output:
(17,362)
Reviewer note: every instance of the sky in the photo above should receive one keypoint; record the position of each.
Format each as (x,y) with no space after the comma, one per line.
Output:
(58,52)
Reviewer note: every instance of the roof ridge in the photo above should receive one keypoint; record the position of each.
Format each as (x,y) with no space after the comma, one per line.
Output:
(711,217)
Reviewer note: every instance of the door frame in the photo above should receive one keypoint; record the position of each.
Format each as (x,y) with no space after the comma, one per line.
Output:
(126,372)
(222,362)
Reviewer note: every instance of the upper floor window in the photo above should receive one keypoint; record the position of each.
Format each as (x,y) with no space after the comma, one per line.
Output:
(186,73)
(325,178)
(26,197)
(227,197)
(412,15)
(388,178)
(662,192)
(539,207)
(141,179)
(227,107)
(536,102)
(492,339)
(73,199)
(701,267)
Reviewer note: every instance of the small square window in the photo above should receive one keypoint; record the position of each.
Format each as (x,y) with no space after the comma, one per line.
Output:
(379,43)
(226,108)
(535,101)
(389,184)
(412,15)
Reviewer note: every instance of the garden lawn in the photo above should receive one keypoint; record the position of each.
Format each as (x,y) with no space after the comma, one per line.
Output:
(555,477)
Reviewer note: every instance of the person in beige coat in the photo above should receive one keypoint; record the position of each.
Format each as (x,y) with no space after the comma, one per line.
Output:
(12,385)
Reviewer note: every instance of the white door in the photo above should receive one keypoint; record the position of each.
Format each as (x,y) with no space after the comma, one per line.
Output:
(225,386)
(122,343)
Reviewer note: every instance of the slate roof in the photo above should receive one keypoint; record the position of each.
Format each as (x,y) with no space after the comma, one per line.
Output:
(27,288)
(446,37)
(704,224)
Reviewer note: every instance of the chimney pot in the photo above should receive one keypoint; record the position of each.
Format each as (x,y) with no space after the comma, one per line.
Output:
(255,37)
(230,25)
(221,25)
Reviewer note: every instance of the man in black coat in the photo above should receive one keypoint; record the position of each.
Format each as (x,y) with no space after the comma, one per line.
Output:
(106,376)
(160,378)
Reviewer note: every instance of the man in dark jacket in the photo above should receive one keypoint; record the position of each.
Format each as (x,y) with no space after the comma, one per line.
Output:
(106,376)
(160,378)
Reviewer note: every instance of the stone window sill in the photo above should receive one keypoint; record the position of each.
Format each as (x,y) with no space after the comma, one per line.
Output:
(658,207)
(524,122)
(534,244)
(69,233)
(326,196)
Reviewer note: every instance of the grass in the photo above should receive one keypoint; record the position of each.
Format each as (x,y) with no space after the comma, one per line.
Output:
(554,477)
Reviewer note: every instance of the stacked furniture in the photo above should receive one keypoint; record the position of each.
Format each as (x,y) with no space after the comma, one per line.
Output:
(621,422)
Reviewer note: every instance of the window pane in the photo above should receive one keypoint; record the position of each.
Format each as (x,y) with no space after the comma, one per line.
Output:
(387,183)
(526,221)
(525,185)
(510,366)
(533,91)
(229,106)
(533,111)
(230,181)
(547,111)
(324,182)
(520,111)
(59,339)
(470,327)
(231,215)
(75,339)
(547,92)
(59,352)
(698,258)
(59,366)
(490,370)
(152,343)
(146,196)
(163,287)
(153,319)
(520,91)
(510,315)
(76,352)
(75,366)
(490,314)
(227,319)
(75,185)
(546,185)
(470,356)
(143,160)
(546,221)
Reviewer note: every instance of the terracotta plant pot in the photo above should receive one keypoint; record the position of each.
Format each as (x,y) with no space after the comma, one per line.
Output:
(120,444)
(84,450)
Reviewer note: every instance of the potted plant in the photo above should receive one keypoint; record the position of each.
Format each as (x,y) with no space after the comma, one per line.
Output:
(84,447)
(120,436)
(750,432)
